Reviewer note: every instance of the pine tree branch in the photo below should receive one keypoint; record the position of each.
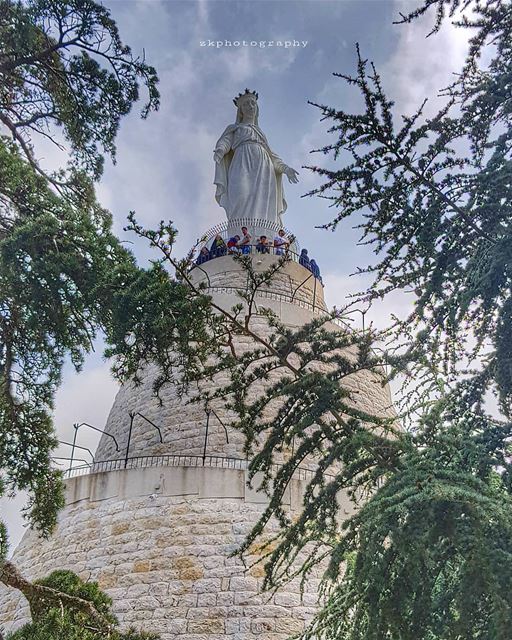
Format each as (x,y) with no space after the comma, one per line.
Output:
(433,187)
(244,329)
(33,592)
(30,156)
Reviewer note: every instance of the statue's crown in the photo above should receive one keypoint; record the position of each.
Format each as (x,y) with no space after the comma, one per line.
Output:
(242,95)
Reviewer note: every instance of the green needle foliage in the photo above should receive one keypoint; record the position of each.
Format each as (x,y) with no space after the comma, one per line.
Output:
(53,620)
(63,64)
(65,77)
(435,194)
(429,555)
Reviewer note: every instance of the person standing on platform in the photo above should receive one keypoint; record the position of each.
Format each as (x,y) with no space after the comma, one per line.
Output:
(233,244)
(245,242)
(315,270)
(281,243)
(218,247)
(304,259)
(204,256)
(262,246)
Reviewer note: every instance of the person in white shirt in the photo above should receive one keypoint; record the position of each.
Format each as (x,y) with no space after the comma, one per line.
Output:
(245,242)
(281,243)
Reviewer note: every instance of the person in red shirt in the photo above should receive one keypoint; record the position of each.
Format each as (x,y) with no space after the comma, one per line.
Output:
(233,244)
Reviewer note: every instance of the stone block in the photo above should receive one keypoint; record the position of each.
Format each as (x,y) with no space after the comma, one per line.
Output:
(141,566)
(188,568)
(289,626)
(208,626)
(287,599)
(262,625)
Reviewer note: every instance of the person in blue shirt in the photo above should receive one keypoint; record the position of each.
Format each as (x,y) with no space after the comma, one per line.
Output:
(304,258)
(233,244)
(315,270)
(262,246)
(204,256)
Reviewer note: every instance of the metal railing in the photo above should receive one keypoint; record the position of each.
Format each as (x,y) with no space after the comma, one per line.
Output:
(283,297)
(226,227)
(274,295)
(171,460)
(251,250)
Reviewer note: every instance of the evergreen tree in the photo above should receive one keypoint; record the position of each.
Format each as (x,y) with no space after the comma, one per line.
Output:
(63,606)
(428,555)
(65,77)
(58,256)
(436,198)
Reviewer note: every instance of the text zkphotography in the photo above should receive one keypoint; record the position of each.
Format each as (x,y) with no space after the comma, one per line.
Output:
(261,44)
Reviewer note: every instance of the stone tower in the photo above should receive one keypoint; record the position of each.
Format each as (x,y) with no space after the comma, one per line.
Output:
(156,518)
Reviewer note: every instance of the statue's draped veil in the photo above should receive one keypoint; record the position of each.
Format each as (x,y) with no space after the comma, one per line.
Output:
(222,169)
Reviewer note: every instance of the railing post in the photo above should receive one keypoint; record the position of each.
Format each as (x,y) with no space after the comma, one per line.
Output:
(300,285)
(206,436)
(73,446)
(132,416)
(138,413)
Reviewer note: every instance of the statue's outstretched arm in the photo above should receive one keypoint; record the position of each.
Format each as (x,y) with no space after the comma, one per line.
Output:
(224,144)
(281,167)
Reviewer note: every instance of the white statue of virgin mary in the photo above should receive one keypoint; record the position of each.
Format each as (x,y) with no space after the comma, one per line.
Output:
(248,174)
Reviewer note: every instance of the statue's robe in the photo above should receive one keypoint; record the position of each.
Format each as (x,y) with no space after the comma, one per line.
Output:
(249,177)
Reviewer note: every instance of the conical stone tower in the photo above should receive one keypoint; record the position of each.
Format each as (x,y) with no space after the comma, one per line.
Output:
(156,519)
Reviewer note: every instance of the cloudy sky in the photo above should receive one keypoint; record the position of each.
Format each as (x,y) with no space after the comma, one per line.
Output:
(164,166)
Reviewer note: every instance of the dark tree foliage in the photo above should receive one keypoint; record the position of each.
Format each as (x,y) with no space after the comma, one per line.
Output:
(62,67)
(90,618)
(429,555)
(436,198)
(66,77)
(156,317)
(63,64)
(293,394)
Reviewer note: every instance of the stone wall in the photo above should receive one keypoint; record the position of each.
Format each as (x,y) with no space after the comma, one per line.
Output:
(165,558)
(159,540)
(183,424)
(292,280)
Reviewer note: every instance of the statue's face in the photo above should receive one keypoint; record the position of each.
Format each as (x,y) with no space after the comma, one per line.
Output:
(248,106)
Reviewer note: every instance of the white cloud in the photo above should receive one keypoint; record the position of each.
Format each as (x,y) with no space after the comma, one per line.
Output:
(11,515)
(420,67)
(83,397)
(339,290)
(165,167)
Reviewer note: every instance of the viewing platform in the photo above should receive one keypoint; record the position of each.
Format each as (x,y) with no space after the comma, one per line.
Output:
(294,284)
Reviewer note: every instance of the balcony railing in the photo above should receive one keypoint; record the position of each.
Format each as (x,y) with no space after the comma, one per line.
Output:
(258,251)
(227,227)
(144,462)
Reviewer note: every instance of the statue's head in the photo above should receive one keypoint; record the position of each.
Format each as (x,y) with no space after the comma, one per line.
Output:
(247,103)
